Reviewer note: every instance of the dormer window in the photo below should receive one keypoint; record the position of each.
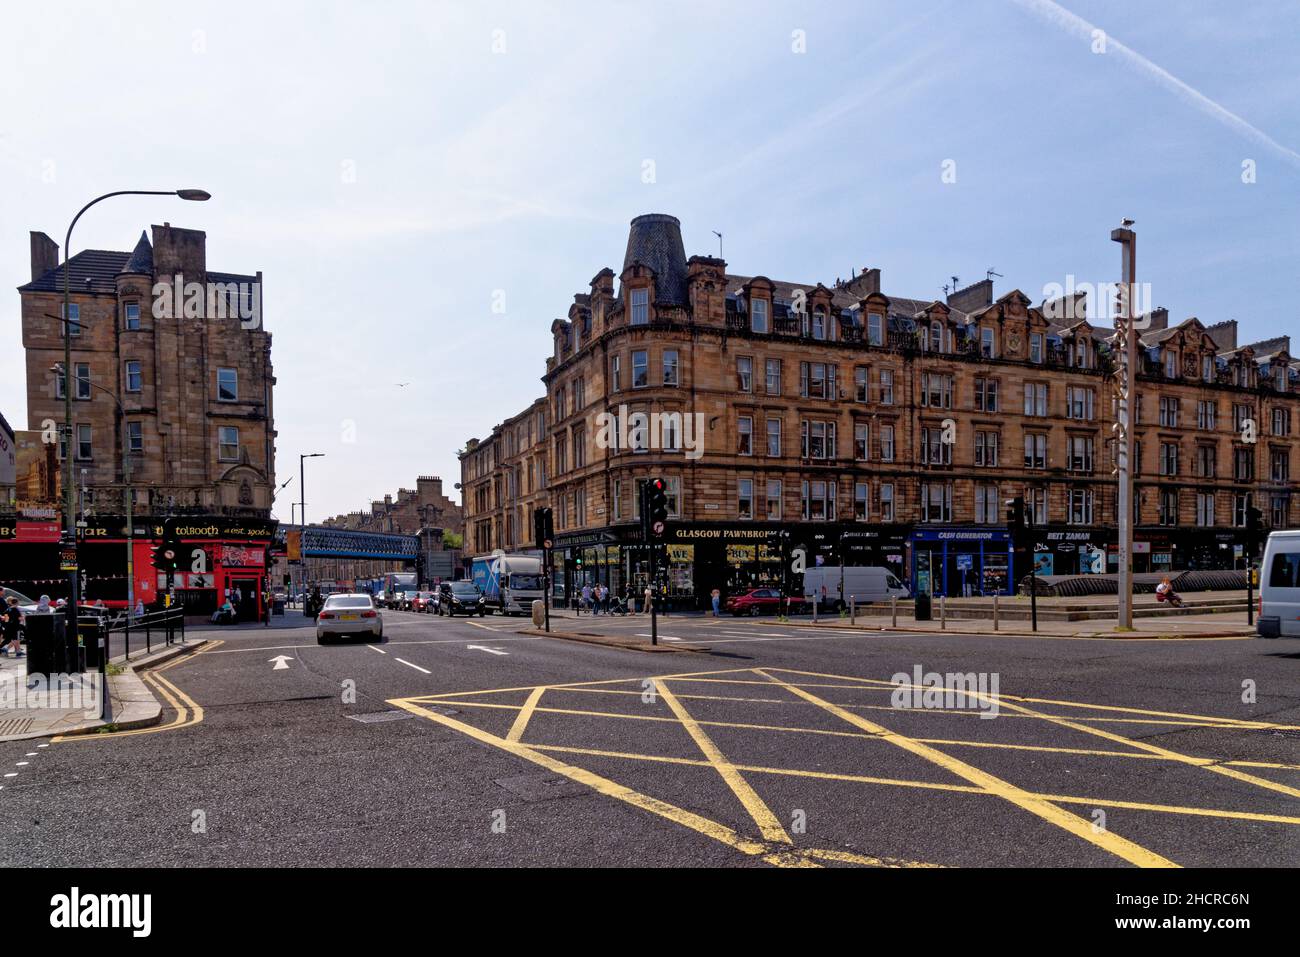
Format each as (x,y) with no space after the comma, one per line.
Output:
(1081,353)
(1036,347)
(1171,364)
(936,336)
(988,344)
(875,329)
(1280,379)
(1207,368)
(640,307)
(758,315)
(819,323)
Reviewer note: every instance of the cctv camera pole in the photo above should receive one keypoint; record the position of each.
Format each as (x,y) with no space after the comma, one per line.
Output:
(1126,333)
(1125,390)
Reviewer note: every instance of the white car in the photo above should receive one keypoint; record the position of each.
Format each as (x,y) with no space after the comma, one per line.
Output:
(349,614)
(1279,587)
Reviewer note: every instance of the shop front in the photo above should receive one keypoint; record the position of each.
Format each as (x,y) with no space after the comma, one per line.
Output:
(962,561)
(1164,550)
(1065,550)
(221,557)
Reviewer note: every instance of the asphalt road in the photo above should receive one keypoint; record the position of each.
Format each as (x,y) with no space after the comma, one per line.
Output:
(779,746)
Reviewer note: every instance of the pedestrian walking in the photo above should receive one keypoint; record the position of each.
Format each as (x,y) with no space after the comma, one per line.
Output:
(9,628)
(716,597)
(649,597)
(584,600)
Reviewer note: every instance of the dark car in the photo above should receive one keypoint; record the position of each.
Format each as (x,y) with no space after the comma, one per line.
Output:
(764,601)
(461,598)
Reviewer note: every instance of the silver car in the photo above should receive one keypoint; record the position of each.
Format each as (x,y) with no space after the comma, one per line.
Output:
(349,614)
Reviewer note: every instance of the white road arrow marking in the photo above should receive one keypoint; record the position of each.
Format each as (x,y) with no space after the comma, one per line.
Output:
(281,662)
(491,651)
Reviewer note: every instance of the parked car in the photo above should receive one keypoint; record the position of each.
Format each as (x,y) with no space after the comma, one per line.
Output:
(421,600)
(1279,587)
(461,598)
(764,601)
(351,613)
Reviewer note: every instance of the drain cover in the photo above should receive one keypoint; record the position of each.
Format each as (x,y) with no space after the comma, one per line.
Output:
(542,787)
(379,716)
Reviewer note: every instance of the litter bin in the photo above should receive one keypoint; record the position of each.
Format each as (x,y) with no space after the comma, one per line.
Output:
(40,643)
(921,607)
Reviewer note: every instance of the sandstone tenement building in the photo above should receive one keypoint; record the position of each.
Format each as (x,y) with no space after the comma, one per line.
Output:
(196,389)
(877,429)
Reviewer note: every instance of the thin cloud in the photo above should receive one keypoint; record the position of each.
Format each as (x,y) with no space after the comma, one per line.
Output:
(1058,16)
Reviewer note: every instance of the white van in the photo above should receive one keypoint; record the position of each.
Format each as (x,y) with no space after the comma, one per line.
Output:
(1279,587)
(861,584)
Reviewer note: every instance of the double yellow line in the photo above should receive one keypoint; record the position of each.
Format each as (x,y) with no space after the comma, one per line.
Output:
(188,711)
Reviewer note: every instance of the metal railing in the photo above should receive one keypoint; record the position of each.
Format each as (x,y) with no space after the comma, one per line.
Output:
(168,625)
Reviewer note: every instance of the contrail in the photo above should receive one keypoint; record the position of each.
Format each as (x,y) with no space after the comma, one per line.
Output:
(1057,15)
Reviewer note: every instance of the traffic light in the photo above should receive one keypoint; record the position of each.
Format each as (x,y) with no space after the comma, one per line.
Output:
(167,553)
(1254,530)
(1016,525)
(543,528)
(656,507)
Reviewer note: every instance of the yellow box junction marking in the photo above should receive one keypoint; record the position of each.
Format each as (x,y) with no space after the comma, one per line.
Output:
(773,843)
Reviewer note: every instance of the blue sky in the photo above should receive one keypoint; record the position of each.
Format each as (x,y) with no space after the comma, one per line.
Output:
(389,171)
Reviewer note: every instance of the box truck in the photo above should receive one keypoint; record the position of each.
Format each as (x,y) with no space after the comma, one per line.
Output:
(509,582)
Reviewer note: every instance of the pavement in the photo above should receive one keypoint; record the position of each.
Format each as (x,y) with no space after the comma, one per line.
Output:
(1217,625)
(134,701)
(470,742)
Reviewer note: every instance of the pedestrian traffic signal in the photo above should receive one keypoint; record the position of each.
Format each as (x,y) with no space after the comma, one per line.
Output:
(543,528)
(1254,530)
(657,506)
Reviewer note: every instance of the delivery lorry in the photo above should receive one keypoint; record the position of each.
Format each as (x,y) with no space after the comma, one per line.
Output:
(509,582)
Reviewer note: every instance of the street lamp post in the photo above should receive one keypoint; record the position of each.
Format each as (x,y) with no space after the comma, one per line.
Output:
(69,497)
(1126,336)
(302,505)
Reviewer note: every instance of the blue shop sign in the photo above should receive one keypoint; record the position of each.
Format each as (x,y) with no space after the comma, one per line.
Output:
(960,535)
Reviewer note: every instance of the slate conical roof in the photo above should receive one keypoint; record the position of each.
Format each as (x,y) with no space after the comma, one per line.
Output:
(655,240)
(141,261)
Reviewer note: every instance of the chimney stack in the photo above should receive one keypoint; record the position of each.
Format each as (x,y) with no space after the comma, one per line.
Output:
(45,255)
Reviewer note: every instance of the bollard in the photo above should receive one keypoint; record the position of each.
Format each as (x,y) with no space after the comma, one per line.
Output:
(853,610)
(893,610)
(814,609)
(995,610)
(943,612)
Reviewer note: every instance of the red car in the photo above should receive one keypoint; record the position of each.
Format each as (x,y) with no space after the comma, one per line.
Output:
(764,601)
(421,601)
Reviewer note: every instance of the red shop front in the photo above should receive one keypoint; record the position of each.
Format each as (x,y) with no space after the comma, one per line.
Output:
(221,557)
